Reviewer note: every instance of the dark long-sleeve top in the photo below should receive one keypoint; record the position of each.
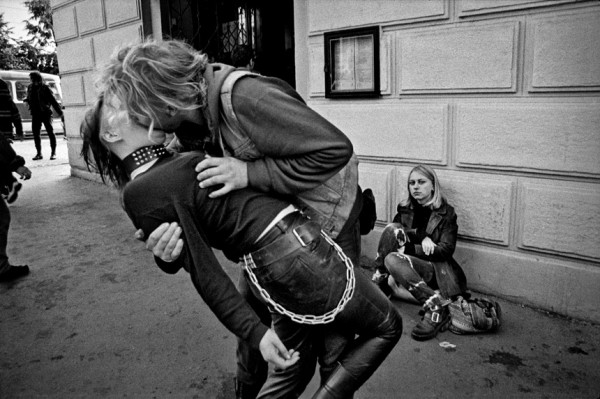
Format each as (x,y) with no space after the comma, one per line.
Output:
(299,148)
(40,98)
(168,192)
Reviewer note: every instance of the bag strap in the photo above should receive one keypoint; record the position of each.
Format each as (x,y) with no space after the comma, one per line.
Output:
(227,91)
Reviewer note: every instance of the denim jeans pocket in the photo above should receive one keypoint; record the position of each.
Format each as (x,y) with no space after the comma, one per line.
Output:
(311,280)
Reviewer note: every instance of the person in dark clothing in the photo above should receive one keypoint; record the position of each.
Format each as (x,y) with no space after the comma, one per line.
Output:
(242,56)
(41,101)
(9,162)
(296,267)
(9,116)
(414,256)
(260,134)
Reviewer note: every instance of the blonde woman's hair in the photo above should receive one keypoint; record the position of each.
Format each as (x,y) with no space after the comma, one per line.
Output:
(437,198)
(154,75)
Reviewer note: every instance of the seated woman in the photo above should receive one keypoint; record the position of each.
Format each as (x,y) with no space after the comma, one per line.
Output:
(414,257)
(289,261)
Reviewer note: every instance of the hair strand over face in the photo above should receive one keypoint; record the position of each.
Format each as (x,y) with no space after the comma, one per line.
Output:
(95,154)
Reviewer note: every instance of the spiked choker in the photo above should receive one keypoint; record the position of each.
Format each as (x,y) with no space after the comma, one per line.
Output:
(144,155)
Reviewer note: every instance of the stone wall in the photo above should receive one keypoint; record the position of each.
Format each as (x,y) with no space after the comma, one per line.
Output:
(502,99)
(87,32)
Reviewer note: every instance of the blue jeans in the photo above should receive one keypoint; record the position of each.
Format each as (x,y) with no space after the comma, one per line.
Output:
(311,280)
(414,274)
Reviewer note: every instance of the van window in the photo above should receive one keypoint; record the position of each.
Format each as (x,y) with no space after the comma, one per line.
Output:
(21,90)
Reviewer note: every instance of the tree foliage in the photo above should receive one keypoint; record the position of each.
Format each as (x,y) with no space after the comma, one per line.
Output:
(7,49)
(42,31)
(37,51)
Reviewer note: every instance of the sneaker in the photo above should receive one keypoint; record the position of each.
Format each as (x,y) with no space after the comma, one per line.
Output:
(38,157)
(53,156)
(14,272)
(433,321)
(13,191)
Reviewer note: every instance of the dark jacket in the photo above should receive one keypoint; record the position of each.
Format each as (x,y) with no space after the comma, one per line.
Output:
(41,99)
(9,114)
(442,229)
(231,223)
(9,161)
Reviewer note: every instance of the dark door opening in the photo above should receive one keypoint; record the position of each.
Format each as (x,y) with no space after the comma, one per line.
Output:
(220,27)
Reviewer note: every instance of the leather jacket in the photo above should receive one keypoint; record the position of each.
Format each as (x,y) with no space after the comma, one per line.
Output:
(442,229)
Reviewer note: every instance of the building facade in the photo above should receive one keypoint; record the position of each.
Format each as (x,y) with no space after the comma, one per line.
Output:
(501,97)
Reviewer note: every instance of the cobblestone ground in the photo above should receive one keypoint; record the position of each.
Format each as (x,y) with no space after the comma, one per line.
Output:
(96,319)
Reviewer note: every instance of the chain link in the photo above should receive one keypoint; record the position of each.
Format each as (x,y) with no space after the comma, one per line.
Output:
(325,318)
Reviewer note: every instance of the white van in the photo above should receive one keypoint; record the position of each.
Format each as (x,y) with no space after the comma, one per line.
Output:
(17,84)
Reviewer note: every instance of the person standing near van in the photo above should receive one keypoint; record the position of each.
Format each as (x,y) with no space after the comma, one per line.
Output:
(41,101)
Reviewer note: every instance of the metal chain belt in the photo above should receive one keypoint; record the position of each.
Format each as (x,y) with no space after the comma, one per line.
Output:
(308,319)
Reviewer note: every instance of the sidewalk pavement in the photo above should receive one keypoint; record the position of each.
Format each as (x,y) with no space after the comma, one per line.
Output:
(97,319)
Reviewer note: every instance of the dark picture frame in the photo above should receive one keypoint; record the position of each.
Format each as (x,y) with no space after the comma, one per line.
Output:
(352,63)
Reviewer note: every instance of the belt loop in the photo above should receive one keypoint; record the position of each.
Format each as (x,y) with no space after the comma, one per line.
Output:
(249,262)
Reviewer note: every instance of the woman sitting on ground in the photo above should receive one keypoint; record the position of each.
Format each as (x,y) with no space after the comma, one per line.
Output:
(414,257)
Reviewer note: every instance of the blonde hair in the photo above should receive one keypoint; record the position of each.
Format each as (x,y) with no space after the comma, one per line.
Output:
(437,199)
(154,75)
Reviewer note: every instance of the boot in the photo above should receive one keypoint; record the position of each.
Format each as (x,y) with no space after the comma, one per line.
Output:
(246,391)
(421,291)
(434,320)
(14,272)
(339,385)
(53,156)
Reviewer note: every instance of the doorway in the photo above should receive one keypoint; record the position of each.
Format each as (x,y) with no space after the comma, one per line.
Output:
(220,28)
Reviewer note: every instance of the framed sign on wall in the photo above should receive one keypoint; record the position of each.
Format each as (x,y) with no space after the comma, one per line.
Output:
(352,63)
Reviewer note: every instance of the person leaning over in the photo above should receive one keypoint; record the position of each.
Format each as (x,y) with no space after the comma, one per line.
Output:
(41,101)
(287,257)
(260,134)
(414,256)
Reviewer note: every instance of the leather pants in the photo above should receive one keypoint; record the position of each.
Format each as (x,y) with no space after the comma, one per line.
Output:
(325,344)
(369,316)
